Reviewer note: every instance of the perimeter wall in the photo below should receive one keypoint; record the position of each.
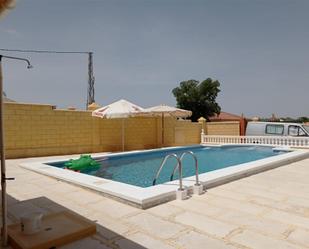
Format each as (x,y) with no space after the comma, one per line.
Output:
(41,130)
(223,128)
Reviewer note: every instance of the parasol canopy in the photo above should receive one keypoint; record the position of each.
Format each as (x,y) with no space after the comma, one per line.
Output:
(119,109)
(164,110)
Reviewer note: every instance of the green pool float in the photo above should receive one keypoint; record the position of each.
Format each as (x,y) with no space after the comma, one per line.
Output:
(85,162)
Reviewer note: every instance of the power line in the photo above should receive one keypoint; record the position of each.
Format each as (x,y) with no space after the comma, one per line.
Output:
(90,88)
(44,51)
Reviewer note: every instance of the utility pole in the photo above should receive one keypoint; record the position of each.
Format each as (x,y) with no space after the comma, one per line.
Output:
(90,92)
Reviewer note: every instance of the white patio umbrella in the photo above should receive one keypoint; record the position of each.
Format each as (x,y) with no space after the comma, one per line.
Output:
(163,110)
(119,109)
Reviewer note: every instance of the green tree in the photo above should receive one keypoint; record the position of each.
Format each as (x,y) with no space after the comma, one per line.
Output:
(302,119)
(198,97)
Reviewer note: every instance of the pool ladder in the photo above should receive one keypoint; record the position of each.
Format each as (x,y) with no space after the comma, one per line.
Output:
(179,167)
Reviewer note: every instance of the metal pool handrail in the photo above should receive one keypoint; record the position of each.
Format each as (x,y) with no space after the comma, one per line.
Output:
(178,165)
(197,183)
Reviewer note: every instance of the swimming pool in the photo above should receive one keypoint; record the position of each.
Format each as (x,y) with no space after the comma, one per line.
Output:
(128,184)
(139,169)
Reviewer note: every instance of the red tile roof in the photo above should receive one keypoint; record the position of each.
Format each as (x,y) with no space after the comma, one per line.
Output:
(224,116)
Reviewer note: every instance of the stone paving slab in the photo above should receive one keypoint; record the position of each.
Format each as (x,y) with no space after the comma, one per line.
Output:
(113,208)
(288,218)
(300,236)
(206,224)
(230,203)
(111,228)
(255,223)
(166,211)
(204,207)
(153,225)
(267,210)
(258,241)
(141,241)
(195,240)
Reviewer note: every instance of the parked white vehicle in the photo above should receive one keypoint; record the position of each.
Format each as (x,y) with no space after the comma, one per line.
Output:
(255,128)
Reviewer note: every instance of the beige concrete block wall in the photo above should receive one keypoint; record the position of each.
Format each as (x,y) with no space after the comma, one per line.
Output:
(40,130)
(169,131)
(139,133)
(187,133)
(222,128)
(142,133)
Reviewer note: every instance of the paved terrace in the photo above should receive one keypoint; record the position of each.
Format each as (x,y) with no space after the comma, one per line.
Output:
(268,210)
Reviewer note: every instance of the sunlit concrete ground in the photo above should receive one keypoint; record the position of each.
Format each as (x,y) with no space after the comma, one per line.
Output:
(268,210)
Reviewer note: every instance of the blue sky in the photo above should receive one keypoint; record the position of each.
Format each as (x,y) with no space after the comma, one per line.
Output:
(257,49)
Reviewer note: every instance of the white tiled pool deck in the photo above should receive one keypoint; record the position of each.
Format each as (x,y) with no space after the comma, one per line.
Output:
(267,210)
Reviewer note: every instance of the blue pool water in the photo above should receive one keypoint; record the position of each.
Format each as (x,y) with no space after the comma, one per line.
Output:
(140,168)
